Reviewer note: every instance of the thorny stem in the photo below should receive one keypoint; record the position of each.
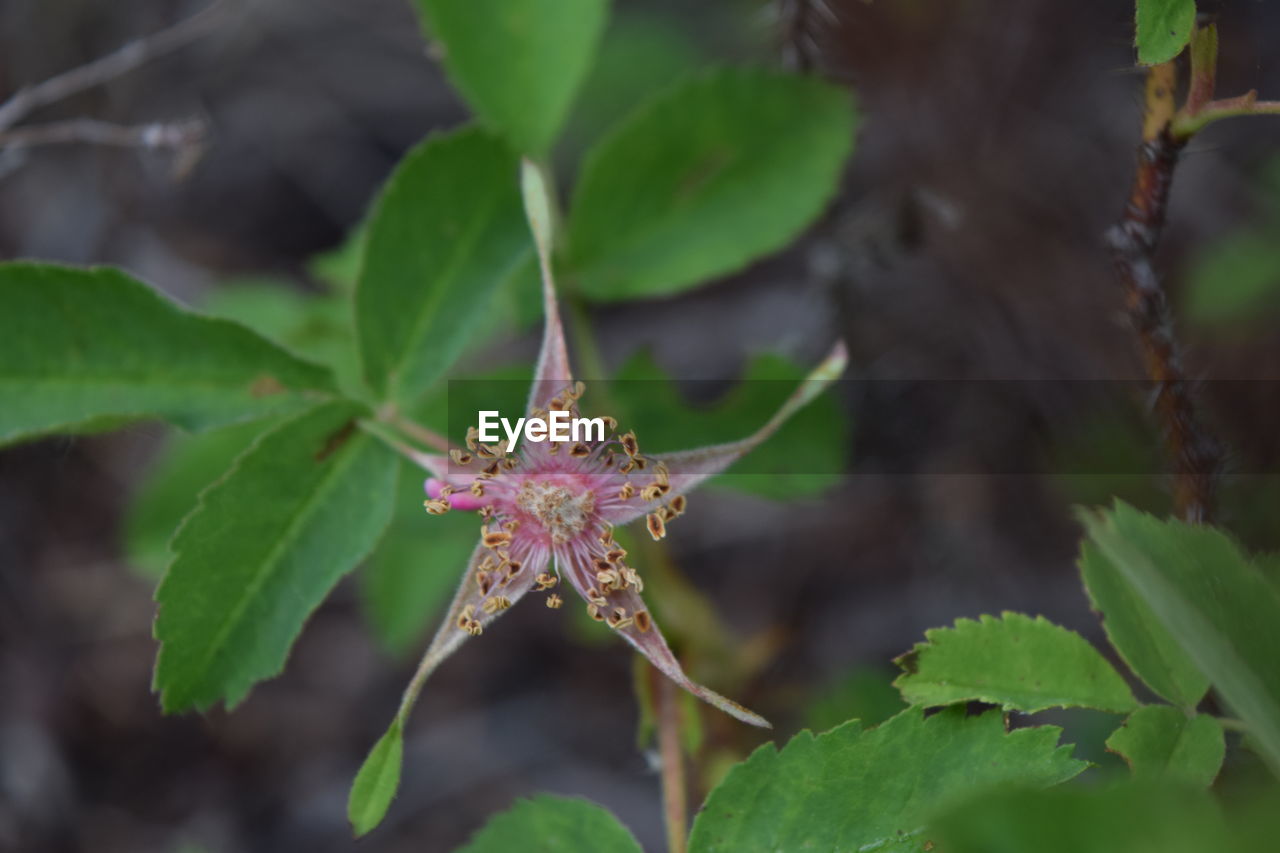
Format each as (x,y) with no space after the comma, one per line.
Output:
(1195,454)
(674,792)
(133,55)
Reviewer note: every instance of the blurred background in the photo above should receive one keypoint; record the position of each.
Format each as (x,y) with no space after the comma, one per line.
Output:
(996,147)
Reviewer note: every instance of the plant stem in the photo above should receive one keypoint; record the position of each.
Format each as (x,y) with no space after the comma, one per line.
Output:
(1232,724)
(1195,454)
(418,432)
(674,792)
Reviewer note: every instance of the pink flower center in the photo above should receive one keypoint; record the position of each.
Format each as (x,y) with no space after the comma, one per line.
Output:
(563,512)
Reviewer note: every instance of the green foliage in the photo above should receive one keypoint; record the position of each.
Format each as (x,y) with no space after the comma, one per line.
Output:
(186,466)
(1213,602)
(1160,742)
(546,824)
(1016,662)
(864,694)
(643,51)
(720,171)
(1163,29)
(376,782)
(853,789)
(265,545)
(84,349)
(1125,818)
(805,456)
(1236,280)
(446,232)
(1140,637)
(339,267)
(416,566)
(318,327)
(519,63)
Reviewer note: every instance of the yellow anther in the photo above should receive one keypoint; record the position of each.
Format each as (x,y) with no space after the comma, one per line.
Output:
(632,577)
(657,528)
(546,581)
(496,539)
(579,451)
(493,605)
(594,612)
(643,621)
(460,456)
(629,444)
(628,491)
(477,489)
(678,504)
(554,601)
(436,507)
(615,555)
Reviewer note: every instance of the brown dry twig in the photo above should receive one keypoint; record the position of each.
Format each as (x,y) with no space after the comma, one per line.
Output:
(183,134)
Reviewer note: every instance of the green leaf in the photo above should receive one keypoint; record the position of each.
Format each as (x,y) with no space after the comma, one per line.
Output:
(722,170)
(1016,662)
(519,63)
(1212,600)
(447,231)
(1161,742)
(318,327)
(168,493)
(86,348)
(300,508)
(416,566)
(1137,634)
(851,789)
(1163,29)
(1125,818)
(644,50)
(547,824)
(376,783)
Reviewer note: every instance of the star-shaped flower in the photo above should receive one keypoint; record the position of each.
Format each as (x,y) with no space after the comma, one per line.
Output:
(548,509)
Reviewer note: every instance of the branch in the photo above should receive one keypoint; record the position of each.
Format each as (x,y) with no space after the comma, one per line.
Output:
(91,131)
(674,793)
(1196,456)
(133,55)
(1201,109)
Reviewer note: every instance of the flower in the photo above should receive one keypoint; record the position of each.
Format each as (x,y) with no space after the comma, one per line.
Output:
(549,508)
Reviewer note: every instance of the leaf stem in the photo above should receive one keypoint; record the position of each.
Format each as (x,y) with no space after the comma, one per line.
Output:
(417,431)
(379,431)
(1232,724)
(674,792)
